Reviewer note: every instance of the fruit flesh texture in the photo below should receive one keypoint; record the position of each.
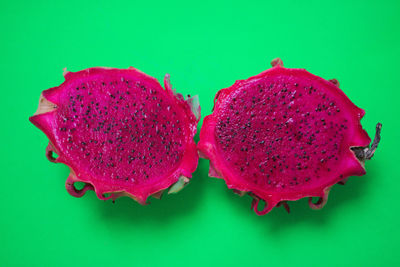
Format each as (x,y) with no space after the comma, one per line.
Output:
(120,132)
(283,135)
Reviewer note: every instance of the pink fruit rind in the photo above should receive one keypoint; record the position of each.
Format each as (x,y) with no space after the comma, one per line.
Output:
(45,120)
(348,164)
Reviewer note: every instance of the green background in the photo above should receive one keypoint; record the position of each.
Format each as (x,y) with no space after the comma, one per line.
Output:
(205,46)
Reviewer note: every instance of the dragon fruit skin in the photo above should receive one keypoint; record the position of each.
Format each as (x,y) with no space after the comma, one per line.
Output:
(282,135)
(120,133)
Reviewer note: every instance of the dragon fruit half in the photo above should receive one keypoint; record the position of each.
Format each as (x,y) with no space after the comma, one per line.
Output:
(120,133)
(285,134)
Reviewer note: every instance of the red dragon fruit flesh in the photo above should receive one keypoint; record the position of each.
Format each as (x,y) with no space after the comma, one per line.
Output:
(120,133)
(283,135)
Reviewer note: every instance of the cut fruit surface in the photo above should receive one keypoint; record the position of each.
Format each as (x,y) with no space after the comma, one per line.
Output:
(282,135)
(120,132)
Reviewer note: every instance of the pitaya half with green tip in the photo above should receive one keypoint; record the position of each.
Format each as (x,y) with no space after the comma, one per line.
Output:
(284,134)
(120,133)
